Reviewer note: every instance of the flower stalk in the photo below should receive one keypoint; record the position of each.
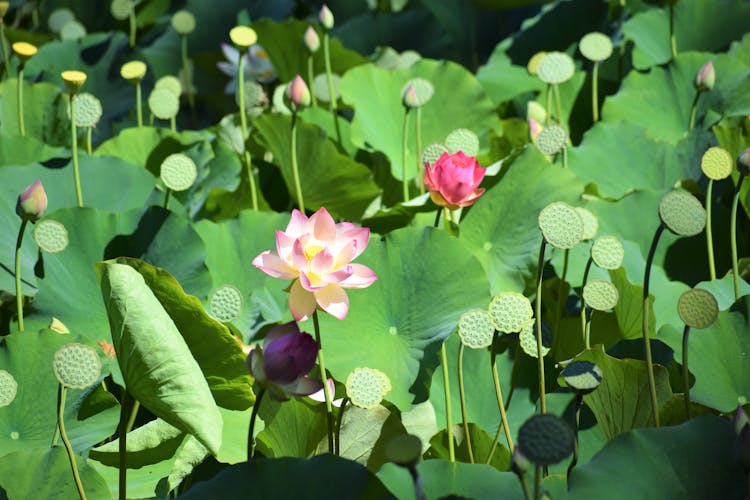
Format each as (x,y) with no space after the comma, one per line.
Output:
(733,239)
(462,397)
(61,391)
(323,376)
(251,428)
(644,325)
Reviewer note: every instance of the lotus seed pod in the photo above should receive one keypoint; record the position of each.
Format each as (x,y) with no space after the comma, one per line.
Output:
(51,236)
(326,17)
(58,18)
(226,303)
(595,46)
(743,162)
(607,252)
(682,213)
(76,366)
(121,9)
(133,71)
(88,110)
(58,326)
(475,329)
(4,6)
(8,388)
(255,96)
(536,111)
(74,80)
(600,295)
(716,163)
(552,139)
(561,225)
(171,83)
(533,65)
(32,202)
(320,87)
(243,37)
(423,89)
(24,51)
(432,153)
(509,312)
(178,172)
(311,40)
(298,93)
(545,439)
(183,22)
(590,223)
(164,104)
(404,450)
(697,308)
(463,139)
(385,382)
(535,128)
(527,339)
(583,376)
(364,387)
(555,68)
(72,30)
(706,77)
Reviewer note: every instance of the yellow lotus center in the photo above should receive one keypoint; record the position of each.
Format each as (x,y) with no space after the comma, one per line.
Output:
(311,251)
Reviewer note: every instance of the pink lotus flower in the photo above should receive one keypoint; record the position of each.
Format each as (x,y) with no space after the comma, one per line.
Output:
(316,253)
(454,179)
(32,203)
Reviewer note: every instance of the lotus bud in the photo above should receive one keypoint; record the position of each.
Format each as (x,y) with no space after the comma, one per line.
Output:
(32,203)
(743,162)
(410,97)
(311,39)
(326,17)
(534,129)
(298,93)
(536,111)
(706,77)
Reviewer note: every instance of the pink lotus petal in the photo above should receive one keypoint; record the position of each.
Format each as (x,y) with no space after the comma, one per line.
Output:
(311,282)
(284,245)
(361,277)
(320,397)
(361,237)
(338,276)
(272,265)
(324,227)
(299,259)
(471,198)
(428,182)
(333,300)
(322,262)
(301,302)
(297,224)
(344,255)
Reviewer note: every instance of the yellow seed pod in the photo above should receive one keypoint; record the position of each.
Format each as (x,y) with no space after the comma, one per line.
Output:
(243,36)
(133,71)
(24,50)
(74,80)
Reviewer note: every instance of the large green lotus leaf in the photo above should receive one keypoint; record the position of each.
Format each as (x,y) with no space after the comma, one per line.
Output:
(360,431)
(70,290)
(323,476)
(503,80)
(440,478)
(401,319)
(230,249)
(660,101)
(22,150)
(29,422)
(622,401)
(153,442)
(698,25)
(375,93)
(44,112)
(288,55)
(691,461)
(717,357)
(143,482)
(156,363)
(46,474)
(327,177)
(501,228)
(292,428)
(607,158)
(481,444)
(212,345)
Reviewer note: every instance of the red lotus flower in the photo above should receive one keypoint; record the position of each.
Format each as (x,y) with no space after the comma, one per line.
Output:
(454,179)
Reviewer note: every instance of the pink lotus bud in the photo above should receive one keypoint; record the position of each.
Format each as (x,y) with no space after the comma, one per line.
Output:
(454,180)
(410,98)
(298,93)
(311,39)
(326,17)
(534,129)
(706,77)
(743,162)
(32,203)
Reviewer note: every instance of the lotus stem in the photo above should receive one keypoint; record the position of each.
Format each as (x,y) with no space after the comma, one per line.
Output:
(448,413)
(595,92)
(685,372)
(537,482)
(251,429)
(733,240)
(331,91)
(295,167)
(311,78)
(166,198)
(138,105)
(420,178)
(243,124)
(500,406)
(558,106)
(89,132)
(577,404)
(404,139)
(4,46)
(173,124)
(323,376)
(672,38)
(513,374)
(132,26)
(462,397)
(548,98)
(644,325)
(709,231)
(538,314)
(340,420)
(693,110)
(133,415)
(74,148)
(122,448)
(61,390)
(21,128)
(19,293)
(560,300)
(584,330)
(187,73)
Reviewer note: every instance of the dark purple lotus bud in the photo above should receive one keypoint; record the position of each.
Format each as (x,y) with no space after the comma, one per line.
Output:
(289,357)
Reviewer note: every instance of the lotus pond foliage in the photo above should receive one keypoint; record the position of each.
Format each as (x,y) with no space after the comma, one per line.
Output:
(382,249)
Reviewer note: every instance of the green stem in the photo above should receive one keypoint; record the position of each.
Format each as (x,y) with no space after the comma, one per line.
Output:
(644,325)
(133,415)
(583,303)
(513,377)
(685,372)
(693,110)
(404,139)
(21,128)
(574,461)
(243,124)
(420,176)
(138,106)
(74,147)
(560,300)
(344,402)
(132,26)
(19,294)
(437,216)
(538,314)
(166,198)
(524,486)
(311,78)
(558,106)
(4,45)
(173,124)
(324,377)
(672,38)
(565,156)
(448,415)
(122,449)
(548,97)
(500,405)
(187,73)
(331,92)
(709,231)
(595,92)
(537,483)
(61,390)
(733,240)
(462,397)
(89,132)
(295,167)
(251,429)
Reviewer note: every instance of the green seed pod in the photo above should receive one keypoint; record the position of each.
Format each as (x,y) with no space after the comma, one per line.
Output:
(552,139)
(164,104)
(682,213)
(527,339)
(183,22)
(555,68)
(545,439)
(510,311)
(88,110)
(76,366)
(561,225)
(51,236)
(595,46)
(607,252)
(600,295)
(697,308)
(58,18)
(72,30)
(226,303)
(475,329)
(178,172)
(583,376)
(423,89)
(365,387)
(8,388)
(463,139)
(171,83)
(716,163)
(590,223)
(121,9)
(433,152)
